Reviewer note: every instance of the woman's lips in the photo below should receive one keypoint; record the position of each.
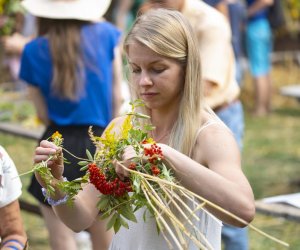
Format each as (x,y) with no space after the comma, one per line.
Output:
(149,95)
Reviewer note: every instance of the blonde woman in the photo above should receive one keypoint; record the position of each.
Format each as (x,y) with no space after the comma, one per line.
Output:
(166,73)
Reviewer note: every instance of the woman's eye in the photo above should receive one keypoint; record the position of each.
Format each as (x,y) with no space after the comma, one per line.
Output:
(135,70)
(158,70)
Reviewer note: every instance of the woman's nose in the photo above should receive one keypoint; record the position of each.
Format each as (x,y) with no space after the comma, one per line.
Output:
(145,79)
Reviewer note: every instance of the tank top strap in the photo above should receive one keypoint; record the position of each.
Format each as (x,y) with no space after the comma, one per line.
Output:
(204,126)
(207,124)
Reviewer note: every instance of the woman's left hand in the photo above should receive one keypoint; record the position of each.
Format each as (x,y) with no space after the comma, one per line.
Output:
(128,155)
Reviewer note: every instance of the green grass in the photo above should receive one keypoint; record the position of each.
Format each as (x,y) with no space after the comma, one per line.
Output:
(271,158)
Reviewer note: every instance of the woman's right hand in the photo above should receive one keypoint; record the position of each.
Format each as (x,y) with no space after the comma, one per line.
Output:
(56,164)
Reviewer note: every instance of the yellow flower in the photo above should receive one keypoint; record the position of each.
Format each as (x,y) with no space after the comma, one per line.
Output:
(57,139)
(109,141)
(126,126)
(150,140)
(56,135)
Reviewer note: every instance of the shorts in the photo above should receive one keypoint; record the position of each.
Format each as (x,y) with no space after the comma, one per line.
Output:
(259,46)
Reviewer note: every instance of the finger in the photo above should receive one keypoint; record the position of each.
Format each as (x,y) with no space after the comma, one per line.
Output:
(48,144)
(121,171)
(45,151)
(40,158)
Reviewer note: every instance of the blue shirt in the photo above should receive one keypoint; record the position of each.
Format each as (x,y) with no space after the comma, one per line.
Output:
(262,14)
(212,3)
(94,106)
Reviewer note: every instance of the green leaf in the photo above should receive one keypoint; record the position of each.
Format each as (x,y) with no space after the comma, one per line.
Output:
(106,214)
(127,212)
(117,224)
(103,202)
(83,163)
(89,155)
(112,221)
(167,173)
(84,168)
(136,184)
(149,127)
(139,115)
(124,223)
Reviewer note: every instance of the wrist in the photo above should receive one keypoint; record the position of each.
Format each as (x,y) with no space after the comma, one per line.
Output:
(18,241)
(57,197)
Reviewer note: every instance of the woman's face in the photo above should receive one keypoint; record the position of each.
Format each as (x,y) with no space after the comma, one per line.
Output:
(158,80)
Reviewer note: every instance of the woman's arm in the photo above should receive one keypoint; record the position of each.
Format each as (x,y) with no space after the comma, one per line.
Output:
(38,100)
(257,6)
(222,181)
(83,212)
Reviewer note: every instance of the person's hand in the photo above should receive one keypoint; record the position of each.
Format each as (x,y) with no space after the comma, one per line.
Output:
(56,164)
(15,44)
(128,155)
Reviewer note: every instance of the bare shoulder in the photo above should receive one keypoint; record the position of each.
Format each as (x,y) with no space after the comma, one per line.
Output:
(116,123)
(214,144)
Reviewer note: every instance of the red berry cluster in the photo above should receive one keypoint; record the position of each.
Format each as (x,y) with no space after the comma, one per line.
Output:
(115,187)
(154,152)
(155,170)
(132,166)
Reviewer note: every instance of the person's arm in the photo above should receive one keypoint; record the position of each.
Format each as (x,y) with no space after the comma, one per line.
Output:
(257,6)
(223,8)
(38,100)
(11,227)
(84,210)
(215,174)
(221,180)
(217,58)
(123,10)
(15,43)
(117,81)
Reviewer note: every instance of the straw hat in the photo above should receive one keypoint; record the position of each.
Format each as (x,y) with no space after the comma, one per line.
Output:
(86,10)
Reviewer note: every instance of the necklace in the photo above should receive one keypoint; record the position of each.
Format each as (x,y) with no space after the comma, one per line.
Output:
(159,139)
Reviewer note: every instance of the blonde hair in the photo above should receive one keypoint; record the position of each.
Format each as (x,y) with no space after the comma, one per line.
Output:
(169,34)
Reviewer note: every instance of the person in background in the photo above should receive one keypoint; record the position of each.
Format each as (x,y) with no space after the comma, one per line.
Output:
(164,62)
(125,12)
(235,11)
(237,18)
(259,48)
(221,89)
(12,233)
(73,72)
(220,5)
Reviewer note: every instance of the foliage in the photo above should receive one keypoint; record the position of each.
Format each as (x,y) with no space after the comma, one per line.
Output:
(8,11)
(294,9)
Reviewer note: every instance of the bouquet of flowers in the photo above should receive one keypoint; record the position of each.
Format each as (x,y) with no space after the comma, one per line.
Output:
(151,184)
(8,11)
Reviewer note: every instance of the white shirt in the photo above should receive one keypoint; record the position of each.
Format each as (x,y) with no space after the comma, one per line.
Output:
(10,183)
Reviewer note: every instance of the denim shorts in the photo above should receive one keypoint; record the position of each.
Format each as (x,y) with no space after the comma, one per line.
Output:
(233,117)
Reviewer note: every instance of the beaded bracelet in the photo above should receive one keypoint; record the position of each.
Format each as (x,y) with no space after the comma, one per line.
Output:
(52,202)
